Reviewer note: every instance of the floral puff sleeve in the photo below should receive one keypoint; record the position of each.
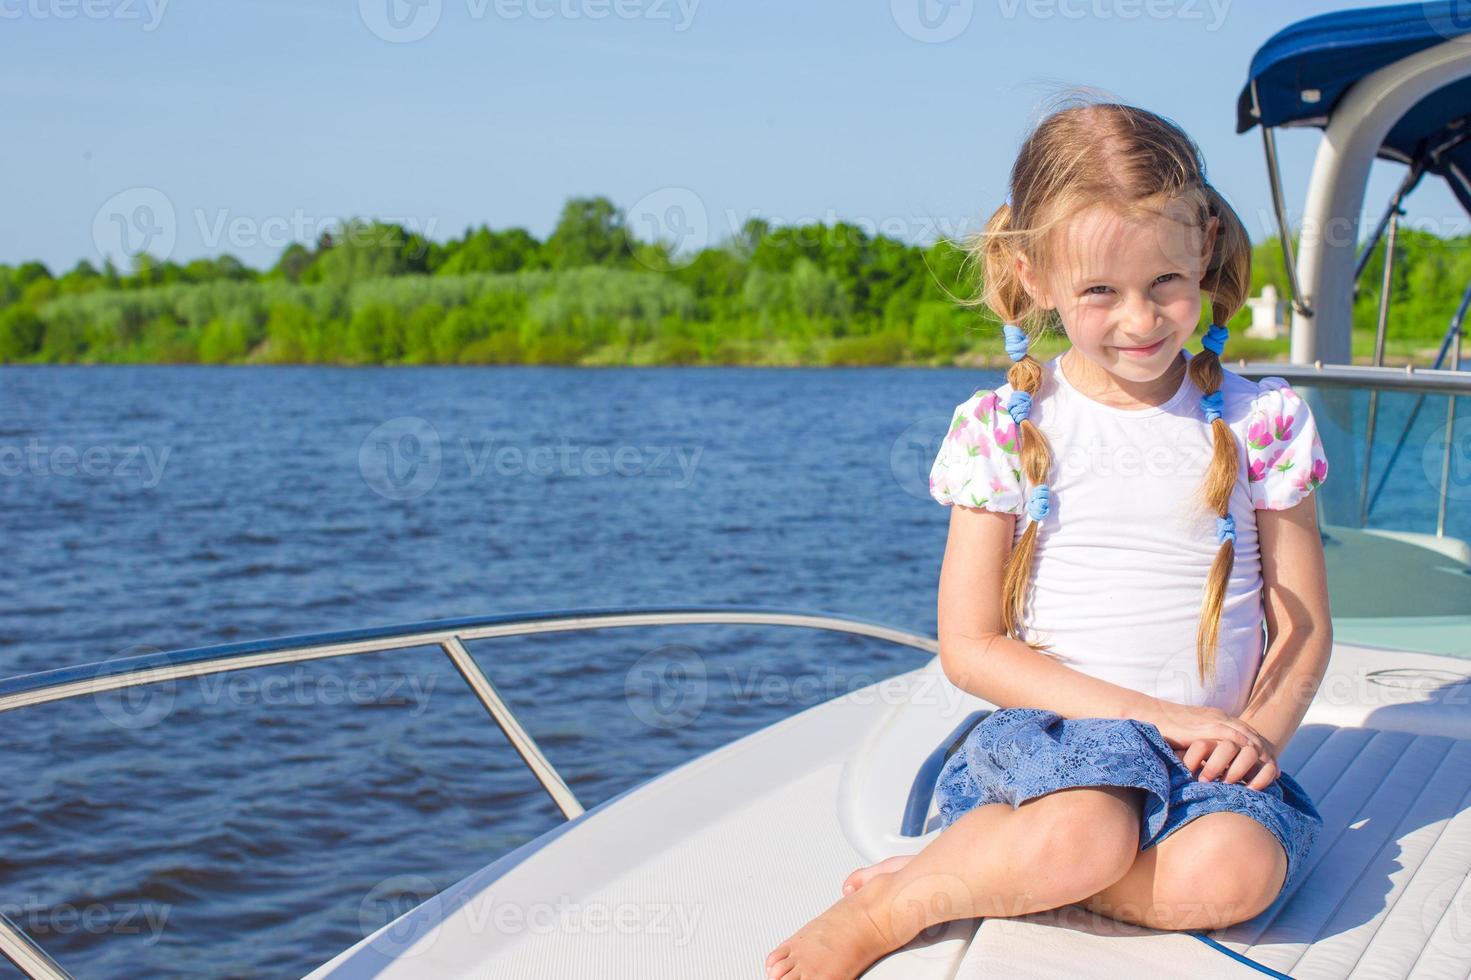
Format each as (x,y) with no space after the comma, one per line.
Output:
(1285,458)
(978,464)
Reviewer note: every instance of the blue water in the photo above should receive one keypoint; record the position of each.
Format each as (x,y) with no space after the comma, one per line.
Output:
(256,823)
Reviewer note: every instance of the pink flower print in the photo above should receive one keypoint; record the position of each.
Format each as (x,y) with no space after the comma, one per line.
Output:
(963,431)
(1282,425)
(1303,482)
(1259,435)
(1320,470)
(1256,471)
(986,407)
(1005,435)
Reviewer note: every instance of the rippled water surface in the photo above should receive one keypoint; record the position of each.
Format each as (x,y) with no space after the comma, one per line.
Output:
(256,823)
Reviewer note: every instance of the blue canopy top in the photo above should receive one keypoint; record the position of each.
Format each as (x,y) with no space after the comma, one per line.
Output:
(1304,69)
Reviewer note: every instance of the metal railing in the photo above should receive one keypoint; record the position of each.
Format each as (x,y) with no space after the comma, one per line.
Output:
(450,635)
(1376,378)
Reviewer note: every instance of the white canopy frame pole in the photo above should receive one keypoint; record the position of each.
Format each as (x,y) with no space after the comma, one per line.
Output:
(1329,238)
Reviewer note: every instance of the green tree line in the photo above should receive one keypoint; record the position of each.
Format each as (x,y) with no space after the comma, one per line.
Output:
(376,293)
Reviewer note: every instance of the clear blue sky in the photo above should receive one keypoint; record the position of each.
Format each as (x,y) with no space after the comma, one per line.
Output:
(256,121)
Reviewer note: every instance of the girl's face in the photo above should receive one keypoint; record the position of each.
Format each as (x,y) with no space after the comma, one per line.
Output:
(1127,290)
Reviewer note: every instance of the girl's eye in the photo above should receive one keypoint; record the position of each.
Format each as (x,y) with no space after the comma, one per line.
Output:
(1168,276)
(1164,278)
(1089,290)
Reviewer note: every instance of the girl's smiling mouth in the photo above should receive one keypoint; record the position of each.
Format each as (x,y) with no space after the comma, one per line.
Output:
(1143,351)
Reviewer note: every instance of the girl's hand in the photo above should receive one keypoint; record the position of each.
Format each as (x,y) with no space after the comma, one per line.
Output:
(1229,762)
(1216,742)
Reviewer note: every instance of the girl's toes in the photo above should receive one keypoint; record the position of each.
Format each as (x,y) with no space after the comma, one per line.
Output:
(776,955)
(781,968)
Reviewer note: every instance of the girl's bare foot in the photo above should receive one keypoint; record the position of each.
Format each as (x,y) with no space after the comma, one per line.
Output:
(862,876)
(837,945)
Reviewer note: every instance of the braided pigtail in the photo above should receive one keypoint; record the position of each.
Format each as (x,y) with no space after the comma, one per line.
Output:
(1220,479)
(996,249)
(1226,280)
(1025,378)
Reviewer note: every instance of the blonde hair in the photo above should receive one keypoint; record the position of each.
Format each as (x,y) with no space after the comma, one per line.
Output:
(1136,163)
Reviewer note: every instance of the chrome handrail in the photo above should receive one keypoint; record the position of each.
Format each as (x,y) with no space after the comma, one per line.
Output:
(24,952)
(450,635)
(1376,378)
(1407,378)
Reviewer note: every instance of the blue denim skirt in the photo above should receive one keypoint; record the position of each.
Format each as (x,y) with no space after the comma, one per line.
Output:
(1015,754)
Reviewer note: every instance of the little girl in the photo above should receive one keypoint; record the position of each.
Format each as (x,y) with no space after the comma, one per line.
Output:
(1128,514)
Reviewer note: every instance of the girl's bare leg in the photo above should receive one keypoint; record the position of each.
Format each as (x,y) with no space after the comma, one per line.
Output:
(1051,851)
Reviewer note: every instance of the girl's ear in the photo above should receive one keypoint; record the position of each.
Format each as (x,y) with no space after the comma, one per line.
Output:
(1027,276)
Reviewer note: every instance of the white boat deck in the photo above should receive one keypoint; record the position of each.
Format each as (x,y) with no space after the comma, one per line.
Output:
(701,871)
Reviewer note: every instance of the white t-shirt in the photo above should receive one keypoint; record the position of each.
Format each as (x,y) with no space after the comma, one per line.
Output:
(1124,551)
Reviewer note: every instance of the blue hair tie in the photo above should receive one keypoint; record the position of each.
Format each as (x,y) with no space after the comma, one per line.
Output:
(1215,339)
(1038,503)
(1016,341)
(1020,406)
(1211,405)
(1226,528)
